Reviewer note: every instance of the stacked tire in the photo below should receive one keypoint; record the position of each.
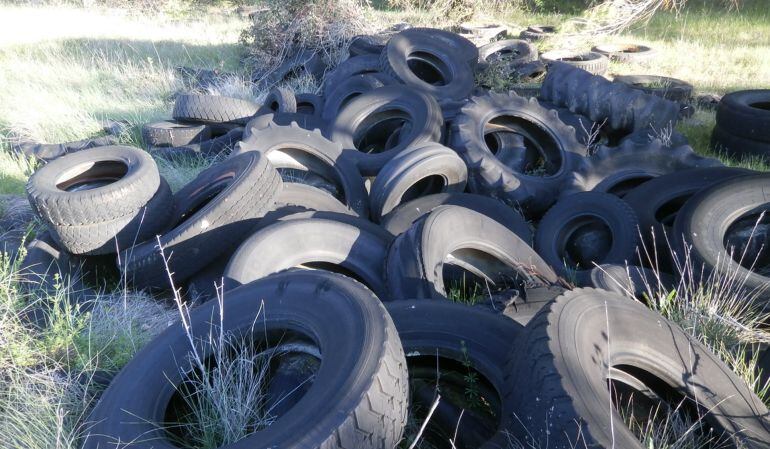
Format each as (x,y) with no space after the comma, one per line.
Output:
(742,124)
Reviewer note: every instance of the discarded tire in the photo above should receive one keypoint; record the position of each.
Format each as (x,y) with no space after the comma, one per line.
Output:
(591,62)
(657,203)
(585,229)
(537,32)
(550,144)
(377,125)
(625,52)
(746,114)
(421,60)
(621,107)
(174,134)
(362,369)
(210,216)
(316,243)
(215,109)
(511,52)
(705,228)
(418,171)
(400,219)
(453,235)
(307,157)
(662,86)
(464,348)
(618,170)
(559,373)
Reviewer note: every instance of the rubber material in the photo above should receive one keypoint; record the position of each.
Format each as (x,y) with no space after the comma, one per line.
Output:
(558,375)
(213,108)
(587,228)
(174,134)
(618,170)
(131,174)
(340,246)
(212,214)
(403,178)
(313,156)
(400,219)
(359,395)
(457,236)
(385,107)
(543,131)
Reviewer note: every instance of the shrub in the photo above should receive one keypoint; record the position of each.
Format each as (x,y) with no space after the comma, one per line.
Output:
(284,27)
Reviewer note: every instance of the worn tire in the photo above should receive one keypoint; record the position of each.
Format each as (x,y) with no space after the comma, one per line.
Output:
(434,330)
(112,236)
(625,53)
(211,215)
(441,72)
(558,374)
(621,107)
(512,52)
(537,32)
(724,141)
(309,104)
(384,107)
(559,232)
(414,267)
(424,169)
(174,134)
(702,225)
(592,62)
(489,175)
(617,170)
(746,114)
(325,243)
(458,45)
(132,178)
(631,281)
(213,108)
(359,395)
(280,100)
(293,148)
(658,201)
(400,219)
(672,89)
(367,64)
(349,88)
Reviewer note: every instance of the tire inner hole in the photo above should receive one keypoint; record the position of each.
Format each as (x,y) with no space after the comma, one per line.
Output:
(429,68)
(91,176)
(382,131)
(666,214)
(265,377)
(470,276)
(747,240)
(765,105)
(202,198)
(659,415)
(622,187)
(583,241)
(425,186)
(541,154)
(469,406)
(299,166)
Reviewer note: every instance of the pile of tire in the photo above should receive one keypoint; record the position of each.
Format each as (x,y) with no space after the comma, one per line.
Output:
(743,125)
(337,232)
